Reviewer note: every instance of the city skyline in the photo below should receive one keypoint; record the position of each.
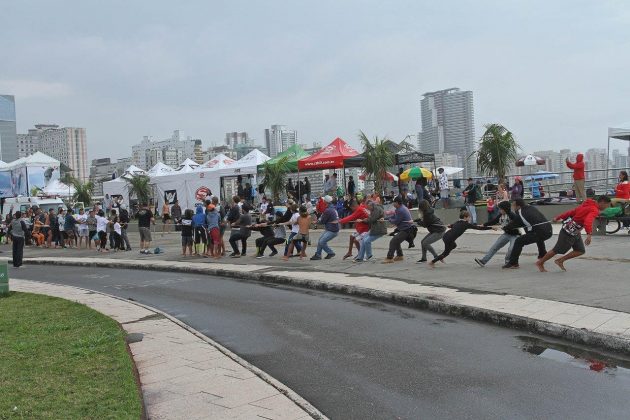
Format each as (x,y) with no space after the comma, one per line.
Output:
(355,66)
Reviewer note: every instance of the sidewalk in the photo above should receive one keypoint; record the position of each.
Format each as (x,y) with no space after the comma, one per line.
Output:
(184,374)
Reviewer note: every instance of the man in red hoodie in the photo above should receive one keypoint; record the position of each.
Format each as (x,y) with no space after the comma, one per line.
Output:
(359,211)
(578,177)
(582,217)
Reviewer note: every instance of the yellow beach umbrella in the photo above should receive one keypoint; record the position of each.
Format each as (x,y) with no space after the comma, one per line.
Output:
(416,172)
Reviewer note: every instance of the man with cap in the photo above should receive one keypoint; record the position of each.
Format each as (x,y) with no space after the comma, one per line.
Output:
(330,220)
(506,215)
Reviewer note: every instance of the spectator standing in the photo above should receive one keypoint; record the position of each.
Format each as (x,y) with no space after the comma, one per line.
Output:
(107,204)
(578,176)
(90,222)
(213,221)
(200,229)
(176,213)
(517,189)
(68,228)
(124,225)
(83,228)
(351,187)
(444,188)
(219,209)
(307,189)
(187,232)
(470,192)
(17,230)
(145,220)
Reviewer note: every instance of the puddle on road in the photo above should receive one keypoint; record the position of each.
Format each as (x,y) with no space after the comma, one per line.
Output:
(575,356)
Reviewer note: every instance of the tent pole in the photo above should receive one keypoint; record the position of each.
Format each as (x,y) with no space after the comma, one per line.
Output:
(607,163)
(344,180)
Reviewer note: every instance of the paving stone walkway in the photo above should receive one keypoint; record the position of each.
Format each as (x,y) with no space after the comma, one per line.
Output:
(182,375)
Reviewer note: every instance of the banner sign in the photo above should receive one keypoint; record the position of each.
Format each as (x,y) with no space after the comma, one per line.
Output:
(414,157)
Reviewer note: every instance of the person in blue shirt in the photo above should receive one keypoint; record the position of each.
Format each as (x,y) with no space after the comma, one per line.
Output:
(330,220)
(535,189)
(200,227)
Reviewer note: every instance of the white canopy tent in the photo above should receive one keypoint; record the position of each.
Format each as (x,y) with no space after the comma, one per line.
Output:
(219,161)
(619,132)
(160,169)
(58,188)
(118,186)
(188,165)
(448,170)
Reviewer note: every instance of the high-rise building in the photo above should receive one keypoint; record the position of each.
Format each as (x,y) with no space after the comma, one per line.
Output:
(66,144)
(8,133)
(144,154)
(619,161)
(278,139)
(596,159)
(448,125)
(29,143)
(234,139)
(104,169)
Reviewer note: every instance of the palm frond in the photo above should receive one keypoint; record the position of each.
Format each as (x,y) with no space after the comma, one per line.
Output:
(139,186)
(497,151)
(378,158)
(274,176)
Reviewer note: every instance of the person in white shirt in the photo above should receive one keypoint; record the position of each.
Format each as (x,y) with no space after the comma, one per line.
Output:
(101,227)
(83,228)
(444,188)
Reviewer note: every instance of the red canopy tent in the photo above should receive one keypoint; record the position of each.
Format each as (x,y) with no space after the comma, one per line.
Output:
(329,157)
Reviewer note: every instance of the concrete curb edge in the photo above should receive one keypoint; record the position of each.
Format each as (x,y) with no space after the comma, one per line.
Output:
(426,302)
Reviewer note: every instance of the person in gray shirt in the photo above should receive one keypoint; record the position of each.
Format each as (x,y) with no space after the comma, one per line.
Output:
(17,229)
(244,222)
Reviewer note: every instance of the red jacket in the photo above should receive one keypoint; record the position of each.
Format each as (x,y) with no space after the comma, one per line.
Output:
(578,167)
(359,213)
(584,214)
(623,190)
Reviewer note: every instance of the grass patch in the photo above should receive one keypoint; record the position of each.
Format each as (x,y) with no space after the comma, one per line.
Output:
(63,360)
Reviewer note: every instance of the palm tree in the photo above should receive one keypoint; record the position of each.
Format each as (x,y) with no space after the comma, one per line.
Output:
(378,158)
(140,187)
(274,177)
(498,150)
(83,192)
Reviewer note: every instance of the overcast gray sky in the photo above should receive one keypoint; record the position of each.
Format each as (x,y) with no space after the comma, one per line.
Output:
(556,73)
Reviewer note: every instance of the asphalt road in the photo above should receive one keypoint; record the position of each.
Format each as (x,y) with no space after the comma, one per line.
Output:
(359,359)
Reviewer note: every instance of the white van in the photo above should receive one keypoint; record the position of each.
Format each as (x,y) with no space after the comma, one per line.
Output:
(13,204)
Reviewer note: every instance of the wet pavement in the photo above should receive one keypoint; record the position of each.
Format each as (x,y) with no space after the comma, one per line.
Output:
(356,359)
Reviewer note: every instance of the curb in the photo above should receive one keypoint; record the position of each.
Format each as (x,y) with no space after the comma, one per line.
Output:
(425,302)
(283,389)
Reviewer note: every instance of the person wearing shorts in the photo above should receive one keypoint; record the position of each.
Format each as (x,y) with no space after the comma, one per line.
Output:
(166,216)
(213,221)
(444,187)
(145,219)
(187,232)
(570,237)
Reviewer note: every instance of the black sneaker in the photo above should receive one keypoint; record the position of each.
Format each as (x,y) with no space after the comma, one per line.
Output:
(315,257)
(329,256)
(243,255)
(235,255)
(510,266)
(478,261)
(411,245)
(422,260)
(273,253)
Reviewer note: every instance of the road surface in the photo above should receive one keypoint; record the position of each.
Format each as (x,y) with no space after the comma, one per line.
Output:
(357,359)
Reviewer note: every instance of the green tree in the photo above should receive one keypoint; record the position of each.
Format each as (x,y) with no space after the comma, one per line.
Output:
(140,187)
(378,158)
(83,192)
(497,151)
(274,177)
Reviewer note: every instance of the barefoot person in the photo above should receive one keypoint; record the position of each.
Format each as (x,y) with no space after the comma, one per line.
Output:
(570,237)
(537,230)
(456,230)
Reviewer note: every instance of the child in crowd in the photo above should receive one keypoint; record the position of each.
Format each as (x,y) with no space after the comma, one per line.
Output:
(301,224)
(213,220)
(200,225)
(187,232)
(117,234)
(457,229)
(38,237)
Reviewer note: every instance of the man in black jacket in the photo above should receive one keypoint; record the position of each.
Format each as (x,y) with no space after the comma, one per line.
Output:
(537,229)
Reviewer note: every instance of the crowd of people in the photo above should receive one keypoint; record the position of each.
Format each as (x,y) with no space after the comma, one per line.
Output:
(104,227)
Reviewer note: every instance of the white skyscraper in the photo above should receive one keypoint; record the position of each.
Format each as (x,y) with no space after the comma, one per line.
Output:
(278,139)
(144,153)
(66,144)
(448,125)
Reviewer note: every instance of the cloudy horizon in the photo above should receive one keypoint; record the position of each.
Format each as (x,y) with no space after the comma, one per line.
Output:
(554,73)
